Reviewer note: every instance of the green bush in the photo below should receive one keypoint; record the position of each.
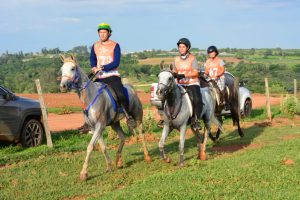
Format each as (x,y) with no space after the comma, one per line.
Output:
(289,105)
(149,123)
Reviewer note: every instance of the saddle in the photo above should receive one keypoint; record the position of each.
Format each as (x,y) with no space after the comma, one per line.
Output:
(114,99)
(220,95)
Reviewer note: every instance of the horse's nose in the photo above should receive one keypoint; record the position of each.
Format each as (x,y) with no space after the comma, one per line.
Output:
(63,87)
(158,92)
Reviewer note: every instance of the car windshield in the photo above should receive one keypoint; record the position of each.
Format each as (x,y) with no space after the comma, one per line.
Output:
(6,90)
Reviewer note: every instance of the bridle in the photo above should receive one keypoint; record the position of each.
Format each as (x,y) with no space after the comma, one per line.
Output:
(169,85)
(75,80)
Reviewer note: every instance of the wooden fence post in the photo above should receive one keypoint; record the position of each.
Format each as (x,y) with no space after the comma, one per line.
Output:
(44,113)
(268,104)
(295,88)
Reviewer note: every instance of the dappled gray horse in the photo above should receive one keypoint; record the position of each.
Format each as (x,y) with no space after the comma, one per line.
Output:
(178,113)
(100,111)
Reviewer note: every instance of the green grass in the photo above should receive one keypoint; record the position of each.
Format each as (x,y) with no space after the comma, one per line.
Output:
(289,61)
(64,110)
(251,173)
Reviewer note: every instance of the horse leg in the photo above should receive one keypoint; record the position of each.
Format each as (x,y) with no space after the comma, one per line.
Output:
(203,139)
(197,134)
(104,151)
(219,131)
(181,144)
(96,134)
(236,121)
(142,136)
(117,128)
(161,144)
(241,133)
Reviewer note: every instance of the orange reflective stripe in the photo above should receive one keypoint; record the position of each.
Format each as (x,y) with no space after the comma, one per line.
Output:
(184,67)
(104,52)
(213,67)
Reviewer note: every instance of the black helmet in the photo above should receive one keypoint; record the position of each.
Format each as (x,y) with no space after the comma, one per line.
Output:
(212,49)
(184,41)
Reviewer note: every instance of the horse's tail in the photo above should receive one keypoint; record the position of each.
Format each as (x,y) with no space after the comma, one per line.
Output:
(236,102)
(135,103)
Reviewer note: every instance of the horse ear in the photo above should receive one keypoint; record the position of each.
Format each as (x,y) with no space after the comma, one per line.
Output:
(73,57)
(171,67)
(162,65)
(62,57)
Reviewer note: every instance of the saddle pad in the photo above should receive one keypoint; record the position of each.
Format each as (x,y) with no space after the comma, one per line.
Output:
(188,100)
(113,98)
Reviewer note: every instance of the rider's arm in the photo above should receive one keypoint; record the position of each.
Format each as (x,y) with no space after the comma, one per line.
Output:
(93,60)
(116,62)
(221,69)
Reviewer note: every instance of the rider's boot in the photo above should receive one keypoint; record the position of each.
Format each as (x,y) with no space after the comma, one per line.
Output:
(84,128)
(130,121)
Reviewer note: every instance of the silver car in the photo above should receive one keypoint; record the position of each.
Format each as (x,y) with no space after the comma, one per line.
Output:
(20,119)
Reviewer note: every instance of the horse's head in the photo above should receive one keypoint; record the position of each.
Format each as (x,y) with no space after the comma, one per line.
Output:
(166,81)
(70,75)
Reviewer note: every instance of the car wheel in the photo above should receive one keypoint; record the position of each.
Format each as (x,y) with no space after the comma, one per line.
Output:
(247,108)
(32,133)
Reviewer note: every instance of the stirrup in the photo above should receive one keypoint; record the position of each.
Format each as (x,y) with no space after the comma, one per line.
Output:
(197,125)
(160,123)
(131,122)
(84,128)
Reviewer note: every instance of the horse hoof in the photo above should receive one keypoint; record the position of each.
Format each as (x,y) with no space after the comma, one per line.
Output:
(181,164)
(108,170)
(202,155)
(120,163)
(167,160)
(83,176)
(148,159)
(214,139)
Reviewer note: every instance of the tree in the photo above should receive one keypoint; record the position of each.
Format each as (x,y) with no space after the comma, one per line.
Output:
(268,52)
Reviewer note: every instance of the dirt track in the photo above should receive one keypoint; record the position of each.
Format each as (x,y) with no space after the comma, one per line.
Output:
(75,120)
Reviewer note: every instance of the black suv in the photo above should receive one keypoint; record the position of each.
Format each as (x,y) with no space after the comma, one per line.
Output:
(20,119)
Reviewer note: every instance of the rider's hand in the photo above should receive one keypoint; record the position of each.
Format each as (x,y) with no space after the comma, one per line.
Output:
(180,76)
(96,69)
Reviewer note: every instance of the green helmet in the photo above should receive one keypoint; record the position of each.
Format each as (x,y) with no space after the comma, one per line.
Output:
(104,26)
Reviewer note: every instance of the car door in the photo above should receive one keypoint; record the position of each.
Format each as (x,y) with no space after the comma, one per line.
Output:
(9,115)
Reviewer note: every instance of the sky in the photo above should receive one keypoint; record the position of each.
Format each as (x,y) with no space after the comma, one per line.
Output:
(30,25)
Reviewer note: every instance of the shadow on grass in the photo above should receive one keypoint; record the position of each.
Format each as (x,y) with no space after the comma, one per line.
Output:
(230,142)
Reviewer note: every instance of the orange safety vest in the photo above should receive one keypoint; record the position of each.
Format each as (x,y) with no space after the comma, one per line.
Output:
(213,68)
(184,67)
(105,55)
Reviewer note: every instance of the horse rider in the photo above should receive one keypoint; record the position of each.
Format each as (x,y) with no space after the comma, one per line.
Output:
(214,70)
(105,57)
(186,72)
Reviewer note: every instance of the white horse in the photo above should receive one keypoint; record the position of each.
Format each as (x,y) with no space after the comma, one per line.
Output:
(100,111)
(178,113)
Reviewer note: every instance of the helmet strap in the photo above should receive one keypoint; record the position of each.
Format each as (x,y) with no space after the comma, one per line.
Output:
(184,56)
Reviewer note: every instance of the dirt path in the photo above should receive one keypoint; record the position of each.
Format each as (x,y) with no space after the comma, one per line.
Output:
(75,120)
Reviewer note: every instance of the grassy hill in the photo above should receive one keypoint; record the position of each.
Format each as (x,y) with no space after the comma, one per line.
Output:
(18,71)
(262,165)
